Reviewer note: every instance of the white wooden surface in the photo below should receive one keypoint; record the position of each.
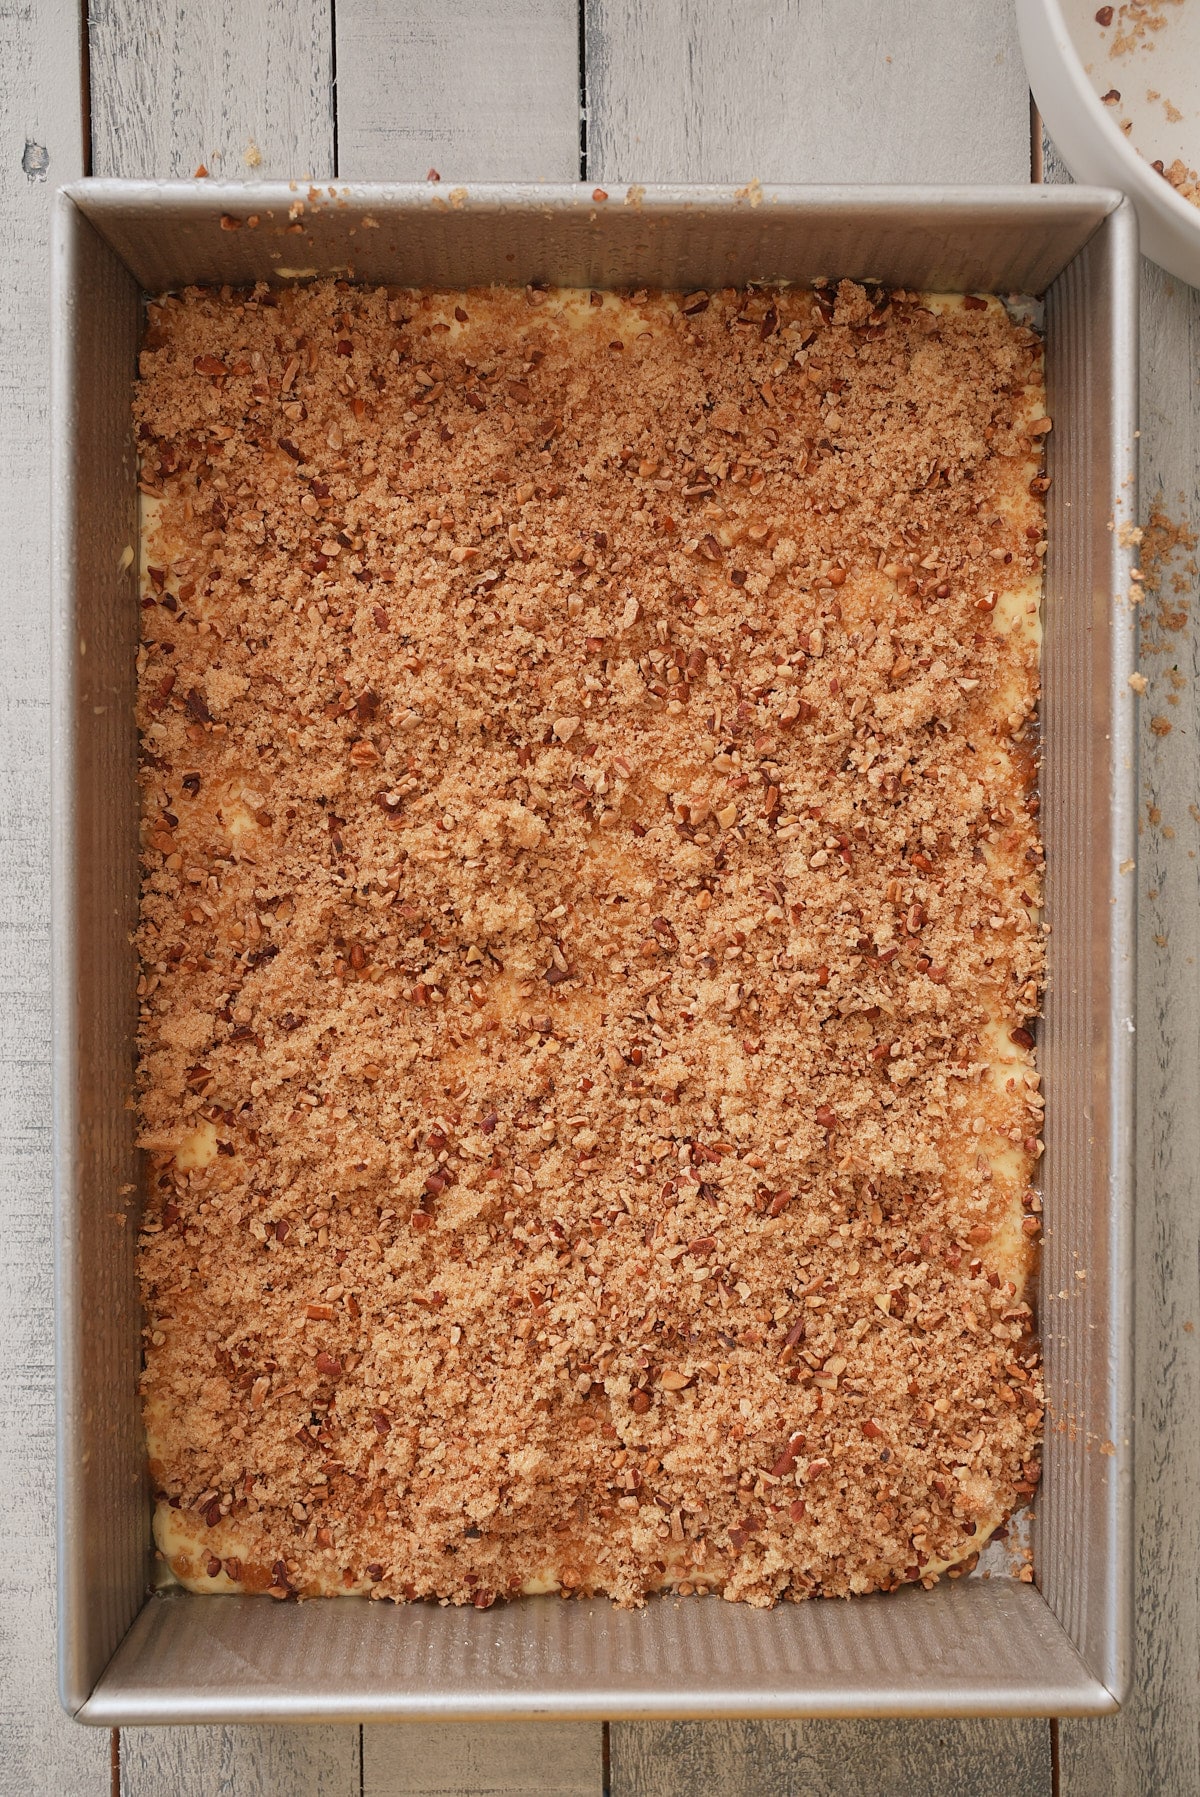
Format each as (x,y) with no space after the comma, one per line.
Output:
(240,1762)
(241,86)
(676,89)
(1154,1744)
(832,1759)
(805,90)
(174,86)
(556,1759)
(41,135)
(484,90)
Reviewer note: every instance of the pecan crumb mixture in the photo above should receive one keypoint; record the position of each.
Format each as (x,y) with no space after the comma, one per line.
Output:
(1136,24)
(590,935)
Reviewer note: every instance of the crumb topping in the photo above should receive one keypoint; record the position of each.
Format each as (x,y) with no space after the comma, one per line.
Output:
(1137,24)
(590,937)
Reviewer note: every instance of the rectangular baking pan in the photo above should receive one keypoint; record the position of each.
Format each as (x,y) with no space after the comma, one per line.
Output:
(975,1646)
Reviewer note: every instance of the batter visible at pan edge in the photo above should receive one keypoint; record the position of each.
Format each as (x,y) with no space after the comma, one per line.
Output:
(590,938)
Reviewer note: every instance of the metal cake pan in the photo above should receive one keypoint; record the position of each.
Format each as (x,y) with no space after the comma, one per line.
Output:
(1060,1646)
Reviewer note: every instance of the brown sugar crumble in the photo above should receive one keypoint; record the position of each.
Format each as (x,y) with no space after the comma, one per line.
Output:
(1183,179)
(1137,23)
(590,937)
(1168,578)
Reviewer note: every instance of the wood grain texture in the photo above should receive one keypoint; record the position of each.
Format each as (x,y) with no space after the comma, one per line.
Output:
(831,1759)
(41,129)
(812,90)
(240,1762)
(698,91)
(242,86)
(1154,1744)
(173,85)
(485,90)
(553,1759)
(805,90)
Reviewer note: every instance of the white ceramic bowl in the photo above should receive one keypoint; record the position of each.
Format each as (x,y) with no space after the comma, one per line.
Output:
(1070,62)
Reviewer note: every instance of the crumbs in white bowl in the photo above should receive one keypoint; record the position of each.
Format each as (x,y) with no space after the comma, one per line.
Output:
(1118,89)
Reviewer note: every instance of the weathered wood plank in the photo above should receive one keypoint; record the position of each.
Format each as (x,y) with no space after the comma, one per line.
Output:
(173,86)
(506,1759)
(827,90)
(242,86)
(483,90)
(805,90)
(830,1759)
(41,128)
(1154,1744)
(532,51)
(240,1762)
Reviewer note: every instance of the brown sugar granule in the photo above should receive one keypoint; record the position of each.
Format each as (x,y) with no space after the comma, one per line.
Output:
(1183,179)
(1168,574)
(1138,23)
(590,937)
